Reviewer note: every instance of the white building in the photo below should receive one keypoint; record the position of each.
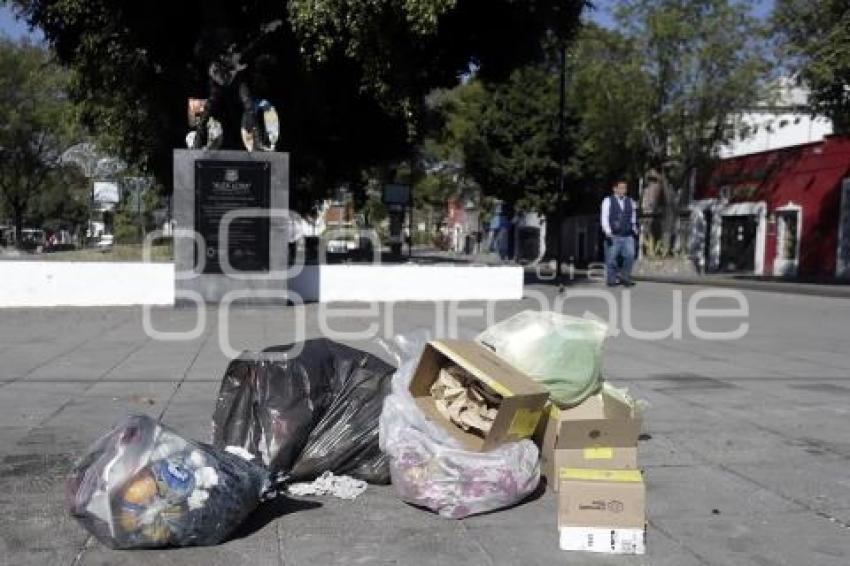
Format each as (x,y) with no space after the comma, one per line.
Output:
(782,120)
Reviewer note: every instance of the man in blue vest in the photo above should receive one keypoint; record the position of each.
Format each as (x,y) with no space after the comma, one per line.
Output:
(619,223)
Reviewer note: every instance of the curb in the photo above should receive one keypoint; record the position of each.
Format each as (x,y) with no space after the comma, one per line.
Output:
(835,291)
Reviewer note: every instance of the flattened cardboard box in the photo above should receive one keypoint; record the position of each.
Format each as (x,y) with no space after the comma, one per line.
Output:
(520,410)
(604,540)
(586,501)
(601,432)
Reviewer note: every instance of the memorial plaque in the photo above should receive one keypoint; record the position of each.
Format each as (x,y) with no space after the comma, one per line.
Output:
(223,186)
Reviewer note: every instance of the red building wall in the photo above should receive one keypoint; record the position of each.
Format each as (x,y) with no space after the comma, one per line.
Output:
(807,175)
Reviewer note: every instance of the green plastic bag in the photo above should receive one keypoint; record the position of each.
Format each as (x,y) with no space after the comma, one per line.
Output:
(563,353)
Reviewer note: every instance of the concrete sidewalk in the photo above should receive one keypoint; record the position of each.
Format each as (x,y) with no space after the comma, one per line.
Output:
(746,451)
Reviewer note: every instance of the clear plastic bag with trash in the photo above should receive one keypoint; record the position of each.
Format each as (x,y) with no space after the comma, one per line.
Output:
(561,352)
(306,409)
(144,486)
(431,469)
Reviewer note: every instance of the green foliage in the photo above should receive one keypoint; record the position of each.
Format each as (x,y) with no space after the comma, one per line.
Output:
(62,203)
(658,94)
(815,41)
(452,114)
(503,135)
(610,93)
(703,62)
(374,212)
(512,151)
(36,124)
(134,219)
(347,77)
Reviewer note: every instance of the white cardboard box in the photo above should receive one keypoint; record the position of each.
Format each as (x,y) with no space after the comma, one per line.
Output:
(607,540)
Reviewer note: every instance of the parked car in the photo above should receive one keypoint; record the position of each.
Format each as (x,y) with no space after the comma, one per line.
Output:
(32,240)
(105,242)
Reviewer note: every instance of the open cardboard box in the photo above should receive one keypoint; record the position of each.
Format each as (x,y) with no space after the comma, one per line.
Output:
(601,432)
(522,399)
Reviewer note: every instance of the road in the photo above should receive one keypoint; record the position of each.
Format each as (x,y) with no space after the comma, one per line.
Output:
(746,451)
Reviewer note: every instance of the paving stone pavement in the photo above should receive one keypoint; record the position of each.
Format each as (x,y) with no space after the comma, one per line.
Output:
(746,450)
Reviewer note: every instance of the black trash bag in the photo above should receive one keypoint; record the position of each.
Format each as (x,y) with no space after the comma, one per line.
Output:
(309,413)
(144,486)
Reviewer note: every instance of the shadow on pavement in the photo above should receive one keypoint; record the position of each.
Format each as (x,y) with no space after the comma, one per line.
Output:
(269,511)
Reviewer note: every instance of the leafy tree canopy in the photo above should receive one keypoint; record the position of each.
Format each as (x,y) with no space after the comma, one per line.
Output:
(36,124)
(610,94)
(347,76)
(656,94)
(704,61)
(696,65)
(815,40)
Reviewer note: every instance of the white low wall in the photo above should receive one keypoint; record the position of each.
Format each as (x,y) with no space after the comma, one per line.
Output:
(50,284)
(84,284)
(367,283)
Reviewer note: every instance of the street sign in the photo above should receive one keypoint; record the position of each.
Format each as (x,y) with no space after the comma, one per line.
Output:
(106,192)
(396,193)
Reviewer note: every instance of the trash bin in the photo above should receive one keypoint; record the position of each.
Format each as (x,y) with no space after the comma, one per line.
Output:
(528,248)
(311,249)
(469,244)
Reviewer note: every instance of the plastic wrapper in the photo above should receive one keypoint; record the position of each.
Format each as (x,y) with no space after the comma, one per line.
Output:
(430,468)
(308,413)
(561,352)
(144,486)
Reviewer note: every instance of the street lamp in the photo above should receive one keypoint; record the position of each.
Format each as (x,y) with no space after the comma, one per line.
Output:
(562,158)
(137,186)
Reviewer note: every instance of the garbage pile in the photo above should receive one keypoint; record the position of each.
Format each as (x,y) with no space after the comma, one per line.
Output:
(449,468)
(461,427)
(589,431)
(306,409)
(144,486)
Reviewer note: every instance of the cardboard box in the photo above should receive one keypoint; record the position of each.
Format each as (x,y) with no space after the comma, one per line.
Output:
(609,541)
(601,498)
(522,402)
(602,432)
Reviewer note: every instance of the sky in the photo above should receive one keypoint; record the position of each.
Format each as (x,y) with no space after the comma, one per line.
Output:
(602,14)
(13,29)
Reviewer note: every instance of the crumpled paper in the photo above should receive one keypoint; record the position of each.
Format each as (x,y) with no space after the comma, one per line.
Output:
(343,487)
(464,400)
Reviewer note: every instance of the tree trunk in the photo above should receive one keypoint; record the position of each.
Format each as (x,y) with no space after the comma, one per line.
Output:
(669,214)
(18,215)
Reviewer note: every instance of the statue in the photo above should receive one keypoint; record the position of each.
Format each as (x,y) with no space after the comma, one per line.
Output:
(228,73)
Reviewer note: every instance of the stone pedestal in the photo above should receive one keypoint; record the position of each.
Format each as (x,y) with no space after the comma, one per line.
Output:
(230,211)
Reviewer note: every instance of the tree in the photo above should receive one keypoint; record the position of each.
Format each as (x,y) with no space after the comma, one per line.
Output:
(503,135)
(134,216)
(512,151)
(347,76)
(609,93)
(450,120)
(36,122)
(703,63)
(63,202)
(815,42)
